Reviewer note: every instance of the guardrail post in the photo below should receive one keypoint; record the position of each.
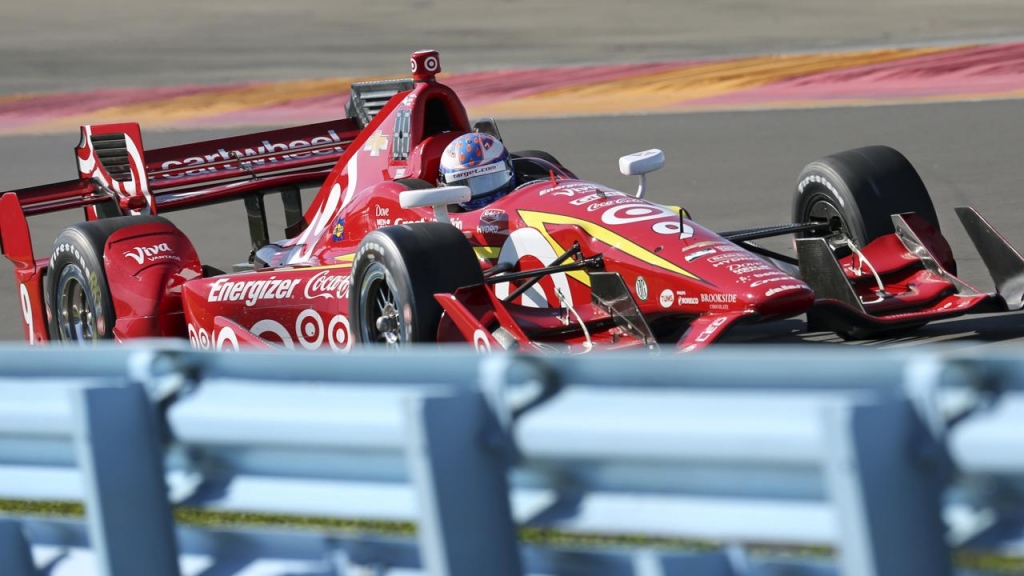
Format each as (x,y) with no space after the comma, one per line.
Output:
(465,526)
(118,449)
(889,502)
(15,557)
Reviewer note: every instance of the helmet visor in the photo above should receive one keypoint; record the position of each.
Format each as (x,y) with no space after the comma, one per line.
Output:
(482,180)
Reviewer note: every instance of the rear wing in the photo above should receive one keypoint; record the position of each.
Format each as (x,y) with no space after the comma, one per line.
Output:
(117,176)
(177,177)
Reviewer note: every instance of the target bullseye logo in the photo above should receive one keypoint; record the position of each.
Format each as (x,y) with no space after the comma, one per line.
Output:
(481,342)
(309,328)
(310,332)
(425,65)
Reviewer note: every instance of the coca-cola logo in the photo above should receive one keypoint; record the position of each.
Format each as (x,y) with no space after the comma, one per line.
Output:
(327,285)
(151,253)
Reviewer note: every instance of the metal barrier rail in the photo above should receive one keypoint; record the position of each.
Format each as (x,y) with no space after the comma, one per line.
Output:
(892,459)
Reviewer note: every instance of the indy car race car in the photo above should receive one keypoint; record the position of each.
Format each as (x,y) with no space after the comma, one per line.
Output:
(388,254)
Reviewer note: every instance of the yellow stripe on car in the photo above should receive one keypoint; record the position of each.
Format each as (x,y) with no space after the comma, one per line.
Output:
(539,220)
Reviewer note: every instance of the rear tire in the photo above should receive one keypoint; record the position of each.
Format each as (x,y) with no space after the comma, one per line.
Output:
(395,274)
(78,294)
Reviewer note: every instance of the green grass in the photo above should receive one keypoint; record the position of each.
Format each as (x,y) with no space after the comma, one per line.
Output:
(191,516)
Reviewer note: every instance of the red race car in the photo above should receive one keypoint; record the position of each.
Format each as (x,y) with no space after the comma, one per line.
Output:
(401,243)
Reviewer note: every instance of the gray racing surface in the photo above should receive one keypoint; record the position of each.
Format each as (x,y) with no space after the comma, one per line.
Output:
(50,45)
(731,170)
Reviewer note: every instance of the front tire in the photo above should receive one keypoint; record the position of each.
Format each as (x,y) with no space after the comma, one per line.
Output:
(861,189)
(395,274)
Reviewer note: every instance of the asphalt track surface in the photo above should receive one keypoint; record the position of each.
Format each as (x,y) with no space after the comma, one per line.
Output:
(51,45)
(731,170)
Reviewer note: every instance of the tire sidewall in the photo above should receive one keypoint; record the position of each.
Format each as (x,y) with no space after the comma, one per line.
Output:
(377,261)
(818,183)
(76,258)
(419,260)
(867,186)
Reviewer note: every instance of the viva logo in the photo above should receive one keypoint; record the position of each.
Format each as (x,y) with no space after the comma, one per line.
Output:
(151,253)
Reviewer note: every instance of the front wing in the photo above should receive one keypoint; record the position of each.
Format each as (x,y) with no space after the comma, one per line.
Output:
(898,282)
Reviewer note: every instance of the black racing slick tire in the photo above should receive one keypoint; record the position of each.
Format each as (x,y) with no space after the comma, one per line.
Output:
(863,188)
(395,274)
(78,294)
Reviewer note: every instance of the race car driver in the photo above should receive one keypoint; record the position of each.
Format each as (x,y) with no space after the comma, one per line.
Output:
(482,163)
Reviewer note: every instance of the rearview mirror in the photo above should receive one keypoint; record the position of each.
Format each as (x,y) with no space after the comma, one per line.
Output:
(640,164)
(439,198)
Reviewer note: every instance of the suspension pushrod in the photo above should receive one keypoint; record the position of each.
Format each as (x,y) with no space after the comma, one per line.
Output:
(756,233)
(533,274)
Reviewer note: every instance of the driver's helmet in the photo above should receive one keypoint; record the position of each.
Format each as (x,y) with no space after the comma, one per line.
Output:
(482,163)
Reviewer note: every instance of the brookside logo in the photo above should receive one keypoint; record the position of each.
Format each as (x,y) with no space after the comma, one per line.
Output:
(151,253)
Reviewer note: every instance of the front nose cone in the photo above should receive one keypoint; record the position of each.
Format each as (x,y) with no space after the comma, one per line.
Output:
(787,298)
